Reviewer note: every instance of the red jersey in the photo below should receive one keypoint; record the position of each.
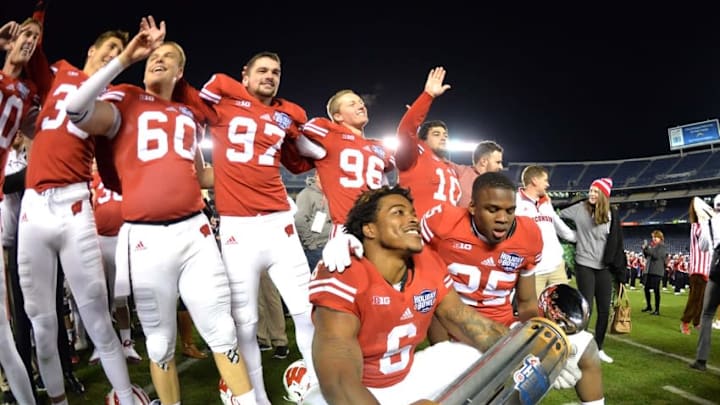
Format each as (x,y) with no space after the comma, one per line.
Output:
(247,140)
(393,323)
(353,164)
(484,274)
(62,153)
(154,151)
(106,207)
(431,179)
(16,99)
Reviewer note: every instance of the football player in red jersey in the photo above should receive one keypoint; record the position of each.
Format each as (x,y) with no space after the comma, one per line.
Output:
(422,156)
(369,320)
(487,157)
(108,218)
(17,98)
(166,239)
(251,137)
(56,220)
(353,163)
(488,250)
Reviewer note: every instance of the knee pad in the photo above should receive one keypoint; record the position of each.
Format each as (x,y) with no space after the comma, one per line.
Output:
(96,319)
(93,291)
(223,337)
(45,331)
(244,315)
(159,348)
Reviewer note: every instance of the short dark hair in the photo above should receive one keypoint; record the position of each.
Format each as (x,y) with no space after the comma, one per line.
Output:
(123,36)
(484,148)
(425,128)
(364,211)
(491,180)
(264,54)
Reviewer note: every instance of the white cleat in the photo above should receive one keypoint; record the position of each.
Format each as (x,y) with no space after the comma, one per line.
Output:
(131,355)
(94,357)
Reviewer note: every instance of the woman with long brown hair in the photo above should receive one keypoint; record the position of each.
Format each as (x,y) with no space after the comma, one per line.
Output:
(599,254)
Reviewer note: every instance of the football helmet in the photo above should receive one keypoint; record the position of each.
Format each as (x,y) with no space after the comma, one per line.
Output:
(225,393)
(139,396)
(296,381)
(564,305)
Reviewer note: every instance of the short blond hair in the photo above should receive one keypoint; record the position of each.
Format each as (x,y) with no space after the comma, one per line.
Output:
(333,105)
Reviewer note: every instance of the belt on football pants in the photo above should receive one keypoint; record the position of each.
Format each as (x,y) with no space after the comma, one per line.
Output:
(166,222)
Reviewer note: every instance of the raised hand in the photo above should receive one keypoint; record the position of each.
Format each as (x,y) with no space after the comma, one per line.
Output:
(155,34)
(8,32)
(434,84)
(144,42)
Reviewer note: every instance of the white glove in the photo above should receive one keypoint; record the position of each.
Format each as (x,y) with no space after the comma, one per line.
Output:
(569,376)
(336,253)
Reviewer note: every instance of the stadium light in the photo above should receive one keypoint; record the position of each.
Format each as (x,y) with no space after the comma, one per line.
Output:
(454,145)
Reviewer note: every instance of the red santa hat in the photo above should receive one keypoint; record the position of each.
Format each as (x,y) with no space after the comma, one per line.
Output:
(604,185)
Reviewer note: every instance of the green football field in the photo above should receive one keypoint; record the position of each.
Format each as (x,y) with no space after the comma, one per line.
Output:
(651,366)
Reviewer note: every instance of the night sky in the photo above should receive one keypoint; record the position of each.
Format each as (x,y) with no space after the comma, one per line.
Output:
(549,85)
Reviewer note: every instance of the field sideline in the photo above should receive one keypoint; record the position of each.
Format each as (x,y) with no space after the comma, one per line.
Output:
(650,366)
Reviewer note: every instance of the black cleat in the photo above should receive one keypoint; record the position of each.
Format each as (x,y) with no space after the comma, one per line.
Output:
(72,382)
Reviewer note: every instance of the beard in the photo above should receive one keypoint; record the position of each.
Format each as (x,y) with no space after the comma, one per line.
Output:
(442,153)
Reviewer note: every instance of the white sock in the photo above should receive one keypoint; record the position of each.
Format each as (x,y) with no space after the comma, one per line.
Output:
(125,335)
(125,396)
(596,402)
(247,398)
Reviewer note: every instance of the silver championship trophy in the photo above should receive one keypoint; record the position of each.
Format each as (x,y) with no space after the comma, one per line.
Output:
(521,367)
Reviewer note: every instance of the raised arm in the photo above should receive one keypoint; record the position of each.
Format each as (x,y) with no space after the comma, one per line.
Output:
(407,151)
(475,329)
(338,358)
(38,67)
(100,117)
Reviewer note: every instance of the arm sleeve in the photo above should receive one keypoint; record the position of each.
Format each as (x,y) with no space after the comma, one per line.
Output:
(81,104)
(407,151)
(309,148)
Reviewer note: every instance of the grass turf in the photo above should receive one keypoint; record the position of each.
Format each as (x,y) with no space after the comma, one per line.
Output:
(648,363)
